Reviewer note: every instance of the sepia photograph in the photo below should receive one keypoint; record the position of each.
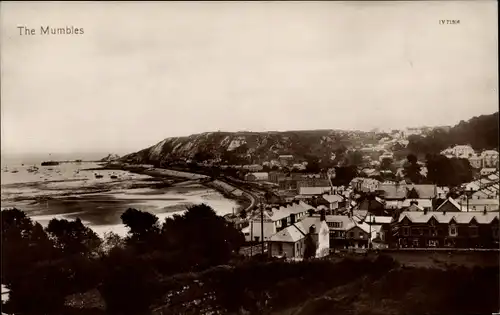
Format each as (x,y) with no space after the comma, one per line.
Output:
(249,157)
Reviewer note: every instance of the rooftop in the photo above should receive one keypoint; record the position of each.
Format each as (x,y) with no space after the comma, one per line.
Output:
(458,217)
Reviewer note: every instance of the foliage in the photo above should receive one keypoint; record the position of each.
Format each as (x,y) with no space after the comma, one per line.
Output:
(386,164)
(41,267)
(412,170)
(354,158)
(344,175)
(480,132)
(129,284)
(448,172)
(144,229)
(72,237)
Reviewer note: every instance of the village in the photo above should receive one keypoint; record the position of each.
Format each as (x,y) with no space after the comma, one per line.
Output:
(369,213)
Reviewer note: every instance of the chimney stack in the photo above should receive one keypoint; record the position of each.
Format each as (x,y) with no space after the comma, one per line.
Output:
(322,215)
(425,210)
(485,210)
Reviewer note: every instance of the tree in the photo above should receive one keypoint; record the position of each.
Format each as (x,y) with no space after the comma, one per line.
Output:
(313,164)
(355,158)
(72,237)
(412,169)
(386,164)
(344,175)
(448,172)
(310,247)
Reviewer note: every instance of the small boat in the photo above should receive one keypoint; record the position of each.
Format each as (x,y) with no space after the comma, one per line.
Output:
(114,177)
(98,176)
(14,171)
(49,163)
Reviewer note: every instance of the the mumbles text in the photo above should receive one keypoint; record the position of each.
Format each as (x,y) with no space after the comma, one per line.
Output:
(49,30)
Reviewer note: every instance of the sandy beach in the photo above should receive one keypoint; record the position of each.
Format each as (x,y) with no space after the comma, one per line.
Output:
(72,190)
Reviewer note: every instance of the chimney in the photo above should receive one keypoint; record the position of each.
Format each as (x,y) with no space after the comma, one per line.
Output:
(311,212)
(444,211)
(322,215)
(414,202)
(485,210)
(425,210)
(292,219)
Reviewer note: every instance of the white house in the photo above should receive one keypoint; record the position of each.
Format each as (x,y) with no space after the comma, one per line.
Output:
(275,219)
(490,158)
(487,171)
(465,151)
(290,242)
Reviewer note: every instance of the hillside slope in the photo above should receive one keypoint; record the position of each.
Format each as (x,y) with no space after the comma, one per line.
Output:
(245,147)
(255,147)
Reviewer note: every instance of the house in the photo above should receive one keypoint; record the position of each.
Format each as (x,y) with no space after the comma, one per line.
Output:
(364,184)
(393,191)
(468,204)
(490,158)
(422,191)
(375,206)
(487,171)
(460,151)
(424,204)
(313,182)
(449,205)
(275,219)
(338,225)
(334,201)
(447,229)
(258,176)
(286,159)
(486,192)
(314,191)
(290,242)
(476,161)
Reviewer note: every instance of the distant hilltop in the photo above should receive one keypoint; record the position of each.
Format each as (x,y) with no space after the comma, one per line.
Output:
(245,147)
(110,157)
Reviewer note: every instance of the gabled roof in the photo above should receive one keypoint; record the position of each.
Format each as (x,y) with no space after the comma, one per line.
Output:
(333,198)
(424,191)
(393,191)
(459,217)
(285,211)
(479,202)
(345,220)
(415,207)
(297,231)
(290,234)
(422,203)
(449,200)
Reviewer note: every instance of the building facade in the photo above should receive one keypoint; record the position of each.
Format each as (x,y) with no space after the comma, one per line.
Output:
(438,230)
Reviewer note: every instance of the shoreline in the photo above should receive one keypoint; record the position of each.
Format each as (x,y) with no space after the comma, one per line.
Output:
(227,190)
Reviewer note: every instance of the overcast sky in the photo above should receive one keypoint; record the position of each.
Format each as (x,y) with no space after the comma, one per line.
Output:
(142,72)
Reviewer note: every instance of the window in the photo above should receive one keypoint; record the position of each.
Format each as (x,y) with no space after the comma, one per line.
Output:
(415,242)
(256,238)
(280,248)
(453,230)
(433,243)
(335,224)
(473,231)
(406,231)
(495,231)
(433,232)
(351,234)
